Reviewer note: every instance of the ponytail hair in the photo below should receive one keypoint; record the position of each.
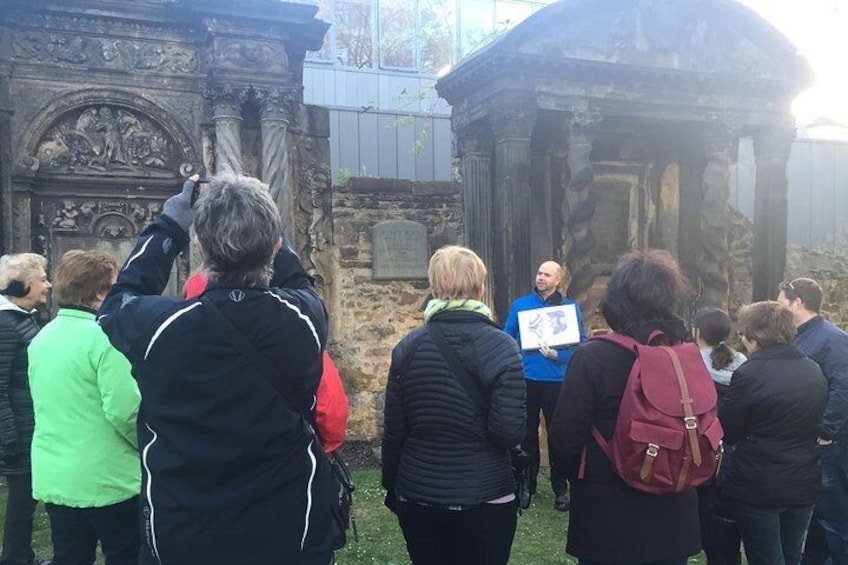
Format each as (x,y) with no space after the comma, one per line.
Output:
(714,328)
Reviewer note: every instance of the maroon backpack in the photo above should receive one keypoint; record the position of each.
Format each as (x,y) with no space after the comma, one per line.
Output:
(667,437)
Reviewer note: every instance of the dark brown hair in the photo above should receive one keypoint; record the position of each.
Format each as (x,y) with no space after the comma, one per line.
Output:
(81,274)
(807,290)
(768,323)
(713,326)
(643,286)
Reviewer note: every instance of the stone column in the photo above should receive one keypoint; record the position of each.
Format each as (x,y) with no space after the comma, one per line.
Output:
(6,212)
(512,125)
(580,128)
(720,144)
(274,115)
(226,115)
(771,148)
(475,152)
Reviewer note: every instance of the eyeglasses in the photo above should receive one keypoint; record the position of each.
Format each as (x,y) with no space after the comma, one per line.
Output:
(788,288)
(787,285)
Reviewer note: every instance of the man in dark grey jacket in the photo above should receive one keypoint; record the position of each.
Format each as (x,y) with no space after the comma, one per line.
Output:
(827,345)
(231,471)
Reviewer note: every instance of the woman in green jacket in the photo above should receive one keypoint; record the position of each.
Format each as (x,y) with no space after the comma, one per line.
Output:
(85,464)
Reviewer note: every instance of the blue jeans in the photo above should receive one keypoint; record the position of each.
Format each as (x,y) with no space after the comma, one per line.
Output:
(827,539)
(772,536)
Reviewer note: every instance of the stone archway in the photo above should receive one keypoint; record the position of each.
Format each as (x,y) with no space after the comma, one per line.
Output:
(96,166)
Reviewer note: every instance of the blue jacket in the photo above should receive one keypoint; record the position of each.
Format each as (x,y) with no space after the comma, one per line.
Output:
(537,367)
(827,345)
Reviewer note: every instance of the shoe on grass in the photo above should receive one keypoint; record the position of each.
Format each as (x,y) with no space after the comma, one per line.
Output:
(561,503)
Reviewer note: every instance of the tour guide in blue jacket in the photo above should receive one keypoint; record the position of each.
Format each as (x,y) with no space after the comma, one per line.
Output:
(544,370)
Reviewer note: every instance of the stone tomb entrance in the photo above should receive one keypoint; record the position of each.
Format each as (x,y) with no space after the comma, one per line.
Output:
(599,126)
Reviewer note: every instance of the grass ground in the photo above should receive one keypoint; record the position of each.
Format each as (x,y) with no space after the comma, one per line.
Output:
(539,539)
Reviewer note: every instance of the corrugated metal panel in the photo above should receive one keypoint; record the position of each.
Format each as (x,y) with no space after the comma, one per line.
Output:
(387,146)
(405,144)
(423,149)
(348,135)
(442,149)
(368,149)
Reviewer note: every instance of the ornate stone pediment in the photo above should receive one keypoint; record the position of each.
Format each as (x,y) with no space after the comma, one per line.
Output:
(71,50)
(250,55)
(714,37)
(107,139)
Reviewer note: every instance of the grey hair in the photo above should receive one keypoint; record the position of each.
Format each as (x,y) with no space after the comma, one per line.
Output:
(237,226)
(22,267)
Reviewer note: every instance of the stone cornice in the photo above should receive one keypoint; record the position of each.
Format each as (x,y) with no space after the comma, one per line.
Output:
(476,73)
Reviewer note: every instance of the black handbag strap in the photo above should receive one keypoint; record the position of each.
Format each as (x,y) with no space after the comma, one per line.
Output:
(471,385)
(228,331)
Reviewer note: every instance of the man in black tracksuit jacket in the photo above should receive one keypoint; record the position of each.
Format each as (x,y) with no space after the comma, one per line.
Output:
(231,472)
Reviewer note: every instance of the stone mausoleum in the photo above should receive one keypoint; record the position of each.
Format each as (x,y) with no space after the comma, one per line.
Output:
(599,126)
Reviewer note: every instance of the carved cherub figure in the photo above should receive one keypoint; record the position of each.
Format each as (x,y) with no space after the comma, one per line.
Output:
(66,216)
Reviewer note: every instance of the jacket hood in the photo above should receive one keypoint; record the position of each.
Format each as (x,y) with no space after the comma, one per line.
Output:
(6,304)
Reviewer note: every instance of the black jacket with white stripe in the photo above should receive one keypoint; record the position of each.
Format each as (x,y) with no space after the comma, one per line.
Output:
(230,472)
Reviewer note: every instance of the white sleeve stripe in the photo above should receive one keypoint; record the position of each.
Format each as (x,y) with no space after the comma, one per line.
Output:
(300,315)
(167,323)
(139,254)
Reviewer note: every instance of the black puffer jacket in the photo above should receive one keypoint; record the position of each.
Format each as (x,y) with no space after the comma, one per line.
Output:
(436,447)
(772,417)
(17,328)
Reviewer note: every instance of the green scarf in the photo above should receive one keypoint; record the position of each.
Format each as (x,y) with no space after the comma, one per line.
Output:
(437,305)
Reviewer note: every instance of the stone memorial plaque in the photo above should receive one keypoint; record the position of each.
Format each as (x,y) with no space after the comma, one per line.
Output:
(399,250)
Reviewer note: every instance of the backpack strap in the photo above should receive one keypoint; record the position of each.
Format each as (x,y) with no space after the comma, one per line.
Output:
(621,340)
(686,400)
(226,330)
(471,385)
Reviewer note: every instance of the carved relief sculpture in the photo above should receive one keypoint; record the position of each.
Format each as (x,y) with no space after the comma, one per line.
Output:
(106,139)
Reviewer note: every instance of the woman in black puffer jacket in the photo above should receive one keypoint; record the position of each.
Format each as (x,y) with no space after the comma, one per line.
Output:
(446,462)
(772,418)
(23,286)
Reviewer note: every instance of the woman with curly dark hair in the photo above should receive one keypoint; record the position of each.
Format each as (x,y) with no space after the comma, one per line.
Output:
(610,521)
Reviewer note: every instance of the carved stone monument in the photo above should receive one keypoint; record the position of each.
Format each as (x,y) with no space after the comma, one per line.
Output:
(593,128)
(106,105)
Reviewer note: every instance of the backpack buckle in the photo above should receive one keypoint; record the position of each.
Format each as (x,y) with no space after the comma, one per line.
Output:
(653,450)
(691,422)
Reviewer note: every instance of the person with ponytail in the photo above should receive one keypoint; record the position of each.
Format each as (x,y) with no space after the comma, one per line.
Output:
(719,534)
(711,330)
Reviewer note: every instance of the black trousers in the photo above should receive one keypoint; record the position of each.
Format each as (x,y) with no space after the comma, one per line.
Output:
(719,535)
(481,535)
(75,532)
(541,397)
(17,531)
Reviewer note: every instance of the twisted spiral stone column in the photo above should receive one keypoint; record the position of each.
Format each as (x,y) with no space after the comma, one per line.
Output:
(274,126)
(226,115)
(581,129)
(719,145)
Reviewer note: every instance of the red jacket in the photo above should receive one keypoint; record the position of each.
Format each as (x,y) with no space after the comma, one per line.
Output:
(331,409)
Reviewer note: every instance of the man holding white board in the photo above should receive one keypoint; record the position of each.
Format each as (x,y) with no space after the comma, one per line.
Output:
(547,326)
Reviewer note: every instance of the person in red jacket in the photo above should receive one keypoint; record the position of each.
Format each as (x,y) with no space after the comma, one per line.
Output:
(331,407)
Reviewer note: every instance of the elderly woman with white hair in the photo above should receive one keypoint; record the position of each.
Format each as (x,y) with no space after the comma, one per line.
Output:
(446,463)
(23,286)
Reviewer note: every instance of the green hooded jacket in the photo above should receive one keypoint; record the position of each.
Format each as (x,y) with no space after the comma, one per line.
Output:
(84,450)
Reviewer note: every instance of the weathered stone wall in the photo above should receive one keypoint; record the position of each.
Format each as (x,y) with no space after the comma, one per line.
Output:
(829,269)
(368,317)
